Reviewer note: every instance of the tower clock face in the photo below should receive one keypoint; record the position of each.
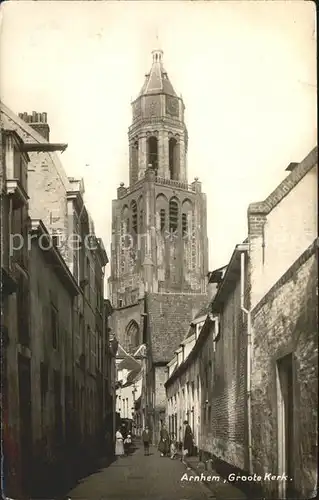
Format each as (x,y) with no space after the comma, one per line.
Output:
(172,106)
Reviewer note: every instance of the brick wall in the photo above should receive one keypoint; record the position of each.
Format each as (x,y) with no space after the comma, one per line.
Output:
(169,316)
(286,321)
(225,433)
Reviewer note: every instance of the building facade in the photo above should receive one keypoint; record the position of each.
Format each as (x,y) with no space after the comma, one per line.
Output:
(256,357)
(55,322)
(284,330)
(159,242)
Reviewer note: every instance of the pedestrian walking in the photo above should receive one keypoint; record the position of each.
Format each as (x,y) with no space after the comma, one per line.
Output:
(164,442)
(119,447)
(127,443)
(146,437)
(188,441)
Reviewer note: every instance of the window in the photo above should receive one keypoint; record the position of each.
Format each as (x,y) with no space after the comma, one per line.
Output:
(184,224)
(135,162)
(81,347)
(120,302)
(93,350)
(134,216)
(173,215)
(55,240)
(209,416)
(162,219)
(88,277)
(172,153)
(87,346)
(44,376)
(23,311)
(152,150)
(132,335)
(54,327)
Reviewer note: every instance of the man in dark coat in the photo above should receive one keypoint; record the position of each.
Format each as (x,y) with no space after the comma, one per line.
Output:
(188,440)
(164,443)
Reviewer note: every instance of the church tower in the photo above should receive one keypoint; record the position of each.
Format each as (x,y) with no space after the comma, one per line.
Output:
(159,235)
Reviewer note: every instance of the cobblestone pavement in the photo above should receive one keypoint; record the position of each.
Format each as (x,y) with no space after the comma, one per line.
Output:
(137,477)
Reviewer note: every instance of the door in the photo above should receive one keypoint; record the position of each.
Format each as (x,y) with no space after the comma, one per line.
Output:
(24,376)
(285,425)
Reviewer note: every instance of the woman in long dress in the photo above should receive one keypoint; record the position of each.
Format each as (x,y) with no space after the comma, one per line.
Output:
(119,446)
(188,440)
(164,443)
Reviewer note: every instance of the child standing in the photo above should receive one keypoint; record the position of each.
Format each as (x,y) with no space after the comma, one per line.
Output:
(173,447)
(146,441)
(127,443)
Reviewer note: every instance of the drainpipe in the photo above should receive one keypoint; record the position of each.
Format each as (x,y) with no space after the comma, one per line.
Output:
(10,228)
(243,249)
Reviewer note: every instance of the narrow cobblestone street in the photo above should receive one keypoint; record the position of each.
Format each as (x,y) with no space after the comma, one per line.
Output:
(138,477)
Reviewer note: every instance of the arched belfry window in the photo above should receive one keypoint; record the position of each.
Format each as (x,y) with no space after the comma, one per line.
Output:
(173,158)
(132,335)
(173,215)
(135,161)
(134,215)
(152,152)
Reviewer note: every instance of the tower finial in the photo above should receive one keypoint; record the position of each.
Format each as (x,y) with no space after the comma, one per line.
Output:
(157,51)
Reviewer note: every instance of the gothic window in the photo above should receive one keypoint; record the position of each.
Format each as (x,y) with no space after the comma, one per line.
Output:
(173,215)
(135,162)
(173,158)
(132,335)
(152,152)
(184,224)
(141,220)
(134,216)
(162,219)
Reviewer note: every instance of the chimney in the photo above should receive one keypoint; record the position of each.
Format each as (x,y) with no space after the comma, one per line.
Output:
(38,121)
(291,166)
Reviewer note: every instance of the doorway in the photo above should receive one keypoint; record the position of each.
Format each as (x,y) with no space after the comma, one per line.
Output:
(285,425)
(25,413)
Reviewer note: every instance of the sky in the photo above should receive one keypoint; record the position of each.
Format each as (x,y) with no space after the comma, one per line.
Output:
(246,71)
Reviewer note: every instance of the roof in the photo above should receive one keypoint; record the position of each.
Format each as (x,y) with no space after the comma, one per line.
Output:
(157,81)
(131,377)
(203,311)
(231,275)
(297,173)
(193,355)
(121,353)
(189,332)
(216,275)
(128,363)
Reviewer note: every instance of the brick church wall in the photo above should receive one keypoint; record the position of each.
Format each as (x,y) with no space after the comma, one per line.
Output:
(169,316)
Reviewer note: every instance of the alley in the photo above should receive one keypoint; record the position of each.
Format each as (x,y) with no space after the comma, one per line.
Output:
(138,477)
